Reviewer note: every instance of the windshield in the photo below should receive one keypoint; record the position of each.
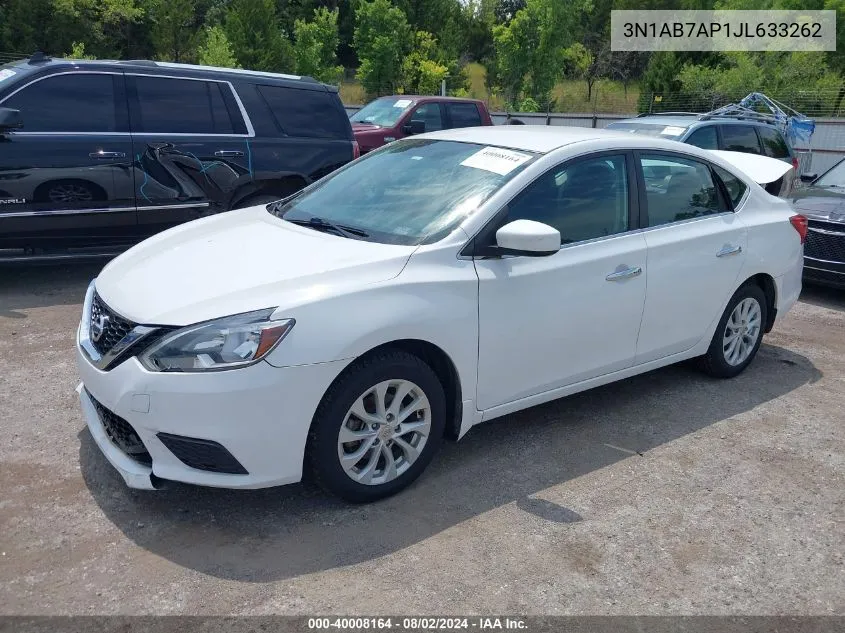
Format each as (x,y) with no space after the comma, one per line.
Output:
(384,112)
(409,192)
(671,132)
(834,178)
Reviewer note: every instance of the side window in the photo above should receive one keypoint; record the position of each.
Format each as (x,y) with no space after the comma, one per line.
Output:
(736,188)
(583,200)
(68,103)
(740,138)
(773,142)
(704,137)
(430,113)
(306,113)
(677,189)
(182,106)
(463,114)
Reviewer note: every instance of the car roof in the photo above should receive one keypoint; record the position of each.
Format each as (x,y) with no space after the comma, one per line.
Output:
(416,98)
(689,120)
(144,65)
(531,138)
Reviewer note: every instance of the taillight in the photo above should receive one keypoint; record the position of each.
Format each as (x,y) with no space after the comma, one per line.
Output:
(356,150)
(800,224)
(795,164)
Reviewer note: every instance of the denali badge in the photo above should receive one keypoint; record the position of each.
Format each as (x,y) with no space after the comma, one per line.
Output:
(98,326)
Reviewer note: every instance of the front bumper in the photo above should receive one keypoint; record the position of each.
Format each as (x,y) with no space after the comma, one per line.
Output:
(824,253)
(260,414)
(824,272)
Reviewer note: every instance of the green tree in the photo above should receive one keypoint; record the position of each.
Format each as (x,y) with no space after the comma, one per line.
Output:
(422,73)
(174,28)
(381,40)
(315,48)
(77,51)
(257,41)
(216,50)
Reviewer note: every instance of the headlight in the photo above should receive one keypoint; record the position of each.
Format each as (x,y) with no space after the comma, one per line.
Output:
(225,343)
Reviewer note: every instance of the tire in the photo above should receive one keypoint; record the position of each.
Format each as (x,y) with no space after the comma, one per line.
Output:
(724,359)
(255,200)
(356,388)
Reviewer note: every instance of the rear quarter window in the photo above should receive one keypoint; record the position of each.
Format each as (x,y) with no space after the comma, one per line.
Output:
(306,113)
(736,188)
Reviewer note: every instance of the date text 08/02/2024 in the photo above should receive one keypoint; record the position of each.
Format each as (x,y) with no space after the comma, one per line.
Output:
(417,623)
(745,30)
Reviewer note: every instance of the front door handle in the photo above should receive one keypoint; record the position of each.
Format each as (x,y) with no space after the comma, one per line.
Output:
(729,249)
(104,154)
(625,273)
(228,153)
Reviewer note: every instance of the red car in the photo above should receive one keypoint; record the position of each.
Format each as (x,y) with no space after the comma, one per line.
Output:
(389,118)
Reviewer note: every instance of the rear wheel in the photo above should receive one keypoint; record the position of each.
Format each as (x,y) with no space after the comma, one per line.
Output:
(738,335)
(378,427)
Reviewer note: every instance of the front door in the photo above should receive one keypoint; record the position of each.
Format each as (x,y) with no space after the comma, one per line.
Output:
(66,177)
(191,147)
(548,322)
(696,248)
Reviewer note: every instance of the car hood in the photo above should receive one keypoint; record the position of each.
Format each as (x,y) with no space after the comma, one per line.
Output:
(820,203)
(237,262)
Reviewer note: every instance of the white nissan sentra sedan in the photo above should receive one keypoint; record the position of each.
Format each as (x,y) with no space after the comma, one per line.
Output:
(439,282)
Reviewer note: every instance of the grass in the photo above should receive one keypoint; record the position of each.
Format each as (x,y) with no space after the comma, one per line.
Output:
(570,95)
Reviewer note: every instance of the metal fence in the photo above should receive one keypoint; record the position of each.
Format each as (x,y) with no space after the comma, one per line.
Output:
(826,149)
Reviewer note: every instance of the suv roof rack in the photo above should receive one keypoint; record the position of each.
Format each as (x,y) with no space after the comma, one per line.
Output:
(240,71)
(38,57)
(698,114)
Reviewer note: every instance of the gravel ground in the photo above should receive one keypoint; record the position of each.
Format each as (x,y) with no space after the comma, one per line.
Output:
(669,493)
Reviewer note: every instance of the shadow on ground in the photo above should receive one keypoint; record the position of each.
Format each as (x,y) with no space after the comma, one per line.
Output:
(824,297)
(26,287)
(266,535)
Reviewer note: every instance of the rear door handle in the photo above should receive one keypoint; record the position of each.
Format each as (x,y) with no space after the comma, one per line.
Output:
(228,153)
(728,249)
(103,154)
(625,273)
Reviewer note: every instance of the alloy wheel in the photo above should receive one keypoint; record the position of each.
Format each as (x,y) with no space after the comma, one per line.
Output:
(384,432)
(742,331)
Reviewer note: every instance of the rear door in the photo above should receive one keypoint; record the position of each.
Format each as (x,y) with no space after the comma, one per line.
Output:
(459,114)
(696,248)
(66,177)
(740,138)
(191,145)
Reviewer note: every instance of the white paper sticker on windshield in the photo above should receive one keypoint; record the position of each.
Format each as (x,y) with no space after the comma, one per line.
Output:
(402,103)
(499,161)
(6,73)
(672,130)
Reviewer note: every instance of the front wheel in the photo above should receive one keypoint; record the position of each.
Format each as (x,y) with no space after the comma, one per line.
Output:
(378,427)
(738,335)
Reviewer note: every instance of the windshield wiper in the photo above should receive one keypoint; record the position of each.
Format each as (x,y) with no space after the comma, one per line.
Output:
(321,224)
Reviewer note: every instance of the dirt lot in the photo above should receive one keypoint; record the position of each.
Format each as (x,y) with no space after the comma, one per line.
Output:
(669,493)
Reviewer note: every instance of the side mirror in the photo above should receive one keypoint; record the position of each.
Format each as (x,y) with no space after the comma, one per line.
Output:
(528,238)
(808,177)
(10,119)
(416,126)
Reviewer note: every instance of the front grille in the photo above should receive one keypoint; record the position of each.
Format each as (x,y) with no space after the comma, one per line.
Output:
(107,326)
(122,434)
(202,454)
(824,245)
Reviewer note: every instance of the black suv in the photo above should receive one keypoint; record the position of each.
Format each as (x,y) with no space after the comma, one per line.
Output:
(98,155)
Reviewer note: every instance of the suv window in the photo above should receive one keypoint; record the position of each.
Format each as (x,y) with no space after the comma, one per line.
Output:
(677,189)
(308,113)
(740,138)
(773,142)
(182,106)
(430,113)
(75,102)
(704,137)
(736,188)
(582,200)
(463,114)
